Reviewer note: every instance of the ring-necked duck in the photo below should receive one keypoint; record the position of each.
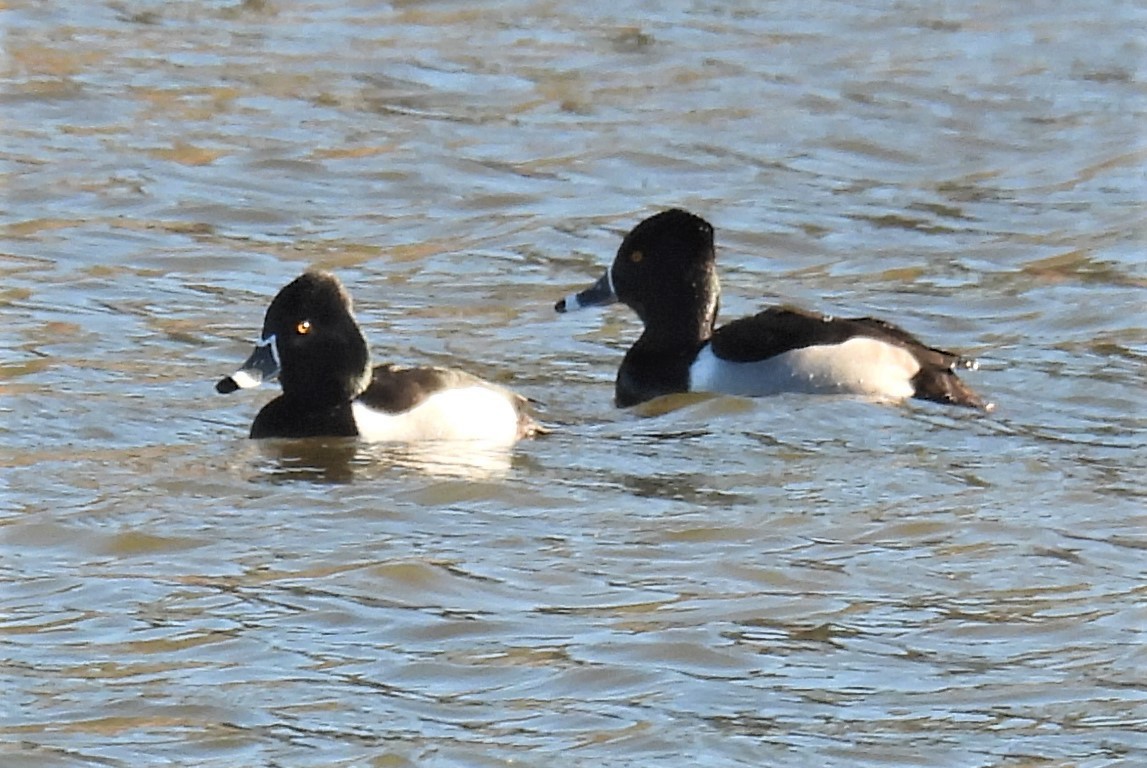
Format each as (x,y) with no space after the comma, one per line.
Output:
(311,341)
(665,271)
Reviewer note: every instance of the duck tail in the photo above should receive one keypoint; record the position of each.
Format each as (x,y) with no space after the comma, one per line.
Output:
(944,386)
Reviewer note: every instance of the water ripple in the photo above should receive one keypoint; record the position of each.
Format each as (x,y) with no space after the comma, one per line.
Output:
(705,581)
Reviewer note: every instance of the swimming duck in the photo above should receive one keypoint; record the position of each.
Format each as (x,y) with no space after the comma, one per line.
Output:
(311,342)
(665,271)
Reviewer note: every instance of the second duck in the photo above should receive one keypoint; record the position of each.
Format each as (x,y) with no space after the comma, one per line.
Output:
(311,342)
(665,271)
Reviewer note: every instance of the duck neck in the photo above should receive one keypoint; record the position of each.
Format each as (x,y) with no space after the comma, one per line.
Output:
(679,325)
(336,385)
(658,363)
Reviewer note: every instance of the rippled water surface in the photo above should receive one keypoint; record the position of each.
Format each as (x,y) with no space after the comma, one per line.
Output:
(723,582)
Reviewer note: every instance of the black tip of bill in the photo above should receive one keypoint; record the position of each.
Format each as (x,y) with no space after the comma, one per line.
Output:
(262,365)
(599,294)
(226,385)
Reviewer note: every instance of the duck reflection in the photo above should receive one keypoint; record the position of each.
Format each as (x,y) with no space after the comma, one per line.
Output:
(343,460)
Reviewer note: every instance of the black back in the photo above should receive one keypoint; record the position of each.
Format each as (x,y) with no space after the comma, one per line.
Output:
(395,388)
(781,329)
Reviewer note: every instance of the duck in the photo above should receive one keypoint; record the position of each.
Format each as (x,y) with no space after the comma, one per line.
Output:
(311,342)
(665,271)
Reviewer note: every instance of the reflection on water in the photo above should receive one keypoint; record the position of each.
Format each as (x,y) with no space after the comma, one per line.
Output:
(717,581)
(340,460)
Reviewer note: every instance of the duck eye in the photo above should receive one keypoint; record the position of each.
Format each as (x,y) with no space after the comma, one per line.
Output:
(303,328)
(636,256)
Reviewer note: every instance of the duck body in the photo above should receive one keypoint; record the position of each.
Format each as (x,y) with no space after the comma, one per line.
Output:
(311,342)
(665,271)
(404,405)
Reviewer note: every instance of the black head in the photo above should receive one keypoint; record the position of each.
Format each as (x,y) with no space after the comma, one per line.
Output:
(312,342)
(665,270)
(322,352)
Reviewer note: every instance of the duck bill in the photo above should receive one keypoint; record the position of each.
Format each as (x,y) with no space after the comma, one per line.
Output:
(599,294)
(262,365)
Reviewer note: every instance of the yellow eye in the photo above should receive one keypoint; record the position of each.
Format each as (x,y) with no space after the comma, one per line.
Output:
(303,328)
(636,256)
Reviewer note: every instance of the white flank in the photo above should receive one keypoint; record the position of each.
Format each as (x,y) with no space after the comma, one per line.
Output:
(244,380)
(467,413)
(859,366)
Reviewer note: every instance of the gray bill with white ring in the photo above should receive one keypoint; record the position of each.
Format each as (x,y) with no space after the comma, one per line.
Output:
(262,365)
(599,294)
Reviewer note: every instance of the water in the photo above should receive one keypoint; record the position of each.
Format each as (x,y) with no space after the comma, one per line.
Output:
(791,581)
